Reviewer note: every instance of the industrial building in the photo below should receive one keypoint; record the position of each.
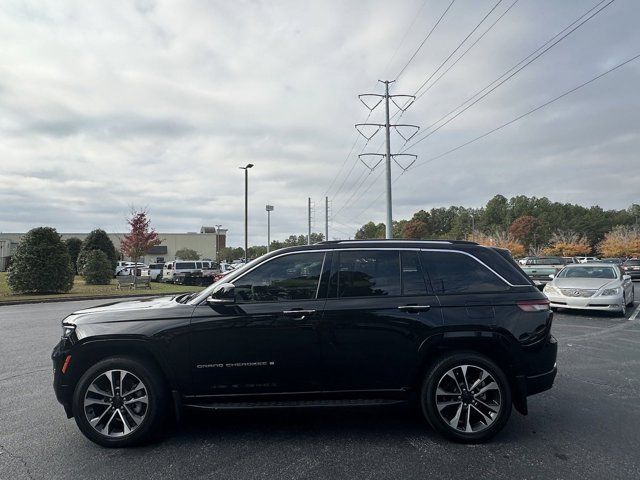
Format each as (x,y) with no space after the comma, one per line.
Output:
(208,242)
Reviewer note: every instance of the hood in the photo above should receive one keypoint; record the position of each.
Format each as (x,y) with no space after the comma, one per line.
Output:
(584,283)
(139,309)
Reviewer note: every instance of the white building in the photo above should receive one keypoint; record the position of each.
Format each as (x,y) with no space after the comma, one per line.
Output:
(207,243)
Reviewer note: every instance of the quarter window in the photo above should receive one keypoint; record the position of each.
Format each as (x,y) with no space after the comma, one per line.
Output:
(452,272)
(291,277)
(368,273)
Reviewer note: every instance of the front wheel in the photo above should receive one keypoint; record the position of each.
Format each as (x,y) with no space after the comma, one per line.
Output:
(120,402)
(466,397)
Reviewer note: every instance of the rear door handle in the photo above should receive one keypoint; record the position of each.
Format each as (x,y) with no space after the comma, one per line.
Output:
(298,314)
(414,308)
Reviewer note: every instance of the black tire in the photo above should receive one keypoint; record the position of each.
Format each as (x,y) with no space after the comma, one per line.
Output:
(623,310)
(428,398)
(153,413)
(633,296)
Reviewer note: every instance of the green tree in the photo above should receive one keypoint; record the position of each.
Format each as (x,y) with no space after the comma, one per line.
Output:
(41,264)
(187,254)
(97,268)
(73,247)
(98,240)
(370,231)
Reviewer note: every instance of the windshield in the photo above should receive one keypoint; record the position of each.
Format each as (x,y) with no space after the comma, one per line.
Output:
(588,272)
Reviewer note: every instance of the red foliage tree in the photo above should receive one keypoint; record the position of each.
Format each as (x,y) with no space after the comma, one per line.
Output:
(414,230)
(524,229)
(141,237)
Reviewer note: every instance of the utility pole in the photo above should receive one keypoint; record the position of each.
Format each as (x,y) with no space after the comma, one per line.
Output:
(406,131)
(246,209)
(269,210)
(309,218)
(326,218)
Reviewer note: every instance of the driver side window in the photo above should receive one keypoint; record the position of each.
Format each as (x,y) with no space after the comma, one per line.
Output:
(291,277)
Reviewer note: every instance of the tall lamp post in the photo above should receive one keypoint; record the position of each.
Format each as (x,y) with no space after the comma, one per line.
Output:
(269,210)
(246,209)
(218,242)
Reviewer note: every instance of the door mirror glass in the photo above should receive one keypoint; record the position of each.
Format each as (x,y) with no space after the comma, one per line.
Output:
(223,293)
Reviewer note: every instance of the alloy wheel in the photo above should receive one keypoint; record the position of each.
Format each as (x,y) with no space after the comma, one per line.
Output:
(468,398)
(116,403)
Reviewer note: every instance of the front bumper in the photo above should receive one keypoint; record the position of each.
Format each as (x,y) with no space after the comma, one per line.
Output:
(62,390)
(601,303)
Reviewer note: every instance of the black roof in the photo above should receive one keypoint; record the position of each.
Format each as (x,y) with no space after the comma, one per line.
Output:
(385,243)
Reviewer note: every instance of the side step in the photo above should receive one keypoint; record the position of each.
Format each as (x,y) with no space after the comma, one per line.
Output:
(352,402)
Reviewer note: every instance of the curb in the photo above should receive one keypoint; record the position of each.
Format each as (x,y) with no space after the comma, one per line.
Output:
(81,298)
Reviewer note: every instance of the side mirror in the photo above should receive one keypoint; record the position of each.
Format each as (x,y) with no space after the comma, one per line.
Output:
(222,294)
(552,276)
(626,277)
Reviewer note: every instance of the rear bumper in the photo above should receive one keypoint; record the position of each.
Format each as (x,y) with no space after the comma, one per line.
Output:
(540,383)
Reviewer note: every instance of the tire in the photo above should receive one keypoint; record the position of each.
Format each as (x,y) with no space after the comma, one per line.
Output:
(492,407)
(159,278)
(623,310)
(110,413)
(633,296)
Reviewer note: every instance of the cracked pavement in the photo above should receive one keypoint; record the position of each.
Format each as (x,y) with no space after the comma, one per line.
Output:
(586,427)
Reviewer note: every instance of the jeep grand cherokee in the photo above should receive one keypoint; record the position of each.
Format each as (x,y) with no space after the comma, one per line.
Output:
(455,325)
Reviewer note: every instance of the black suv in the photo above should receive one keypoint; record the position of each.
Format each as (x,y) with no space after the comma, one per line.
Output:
(453,324)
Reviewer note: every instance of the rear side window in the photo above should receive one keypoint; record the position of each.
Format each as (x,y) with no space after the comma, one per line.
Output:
(501,261)
(454,272)
(368,273)
(185,265)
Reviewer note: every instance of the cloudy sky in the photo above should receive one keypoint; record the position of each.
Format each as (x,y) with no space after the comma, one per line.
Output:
(105,105)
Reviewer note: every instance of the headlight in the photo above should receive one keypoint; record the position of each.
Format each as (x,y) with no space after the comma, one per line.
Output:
(551,290)
(610,291)
(67,330)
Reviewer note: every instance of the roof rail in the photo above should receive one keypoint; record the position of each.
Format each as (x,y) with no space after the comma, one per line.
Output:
(398,240)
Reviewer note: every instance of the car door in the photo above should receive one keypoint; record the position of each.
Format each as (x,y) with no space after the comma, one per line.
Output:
(267,340)
(378,312)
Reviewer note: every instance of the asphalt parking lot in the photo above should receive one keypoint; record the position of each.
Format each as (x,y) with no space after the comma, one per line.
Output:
(587,426)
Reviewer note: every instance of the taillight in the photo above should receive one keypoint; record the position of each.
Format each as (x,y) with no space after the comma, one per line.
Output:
(533,305)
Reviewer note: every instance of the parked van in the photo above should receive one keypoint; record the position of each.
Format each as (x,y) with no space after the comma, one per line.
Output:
(179,266)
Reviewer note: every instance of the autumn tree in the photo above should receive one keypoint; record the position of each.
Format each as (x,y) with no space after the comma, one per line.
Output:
(414,230)
(567,243)
(525,230)
(500,239)
(621,241)
(141,238)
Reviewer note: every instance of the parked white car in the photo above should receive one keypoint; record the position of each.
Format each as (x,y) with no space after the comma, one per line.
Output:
(126,268)
(586,259)
(597,286)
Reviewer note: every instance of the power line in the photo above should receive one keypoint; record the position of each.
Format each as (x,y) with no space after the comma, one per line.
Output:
(506,124)
(458,47)
(404,37)
(475,42)
(424,40)
(501,82)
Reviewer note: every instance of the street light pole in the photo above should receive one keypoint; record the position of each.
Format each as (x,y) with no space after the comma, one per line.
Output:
(269,210)
(246,209)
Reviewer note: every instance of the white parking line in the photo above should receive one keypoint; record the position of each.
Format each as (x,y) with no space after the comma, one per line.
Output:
(635,313)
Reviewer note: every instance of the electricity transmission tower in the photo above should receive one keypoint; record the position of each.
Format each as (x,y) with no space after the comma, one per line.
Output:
(407,132)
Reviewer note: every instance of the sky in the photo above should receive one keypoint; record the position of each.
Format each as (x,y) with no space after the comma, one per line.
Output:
(109,106)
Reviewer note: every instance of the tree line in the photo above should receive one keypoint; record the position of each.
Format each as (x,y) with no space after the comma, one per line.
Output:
(525,225)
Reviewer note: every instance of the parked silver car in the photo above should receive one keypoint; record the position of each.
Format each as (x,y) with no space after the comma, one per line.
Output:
(596,286)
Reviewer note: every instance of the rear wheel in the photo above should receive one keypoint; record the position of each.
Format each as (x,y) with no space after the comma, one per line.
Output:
(466,397)
(120,402)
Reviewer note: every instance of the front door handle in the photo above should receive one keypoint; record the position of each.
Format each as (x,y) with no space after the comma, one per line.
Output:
(298,314)
(414,308)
